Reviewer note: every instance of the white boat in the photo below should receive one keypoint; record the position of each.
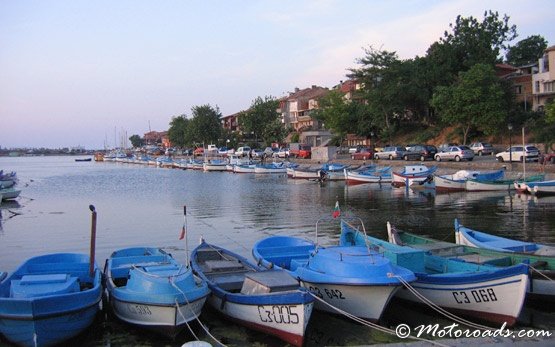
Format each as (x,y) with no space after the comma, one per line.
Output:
(9,193)
(412,174)
(215,165)
(272,168)
(244,168)
(305,173)
(457,181)
(373,175)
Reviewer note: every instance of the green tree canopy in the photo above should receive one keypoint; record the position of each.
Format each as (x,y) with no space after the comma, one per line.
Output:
(260,118)
(205,126)
(136,141)
(179,132)
(526,51)
(478,99)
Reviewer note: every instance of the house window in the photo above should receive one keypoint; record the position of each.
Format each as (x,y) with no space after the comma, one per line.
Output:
(518,89)
(549,86)
(537,86)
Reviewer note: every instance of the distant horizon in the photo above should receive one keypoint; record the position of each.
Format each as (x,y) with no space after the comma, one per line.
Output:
(78,70)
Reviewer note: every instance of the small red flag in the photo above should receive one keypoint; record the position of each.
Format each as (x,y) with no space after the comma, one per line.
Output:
(182,235)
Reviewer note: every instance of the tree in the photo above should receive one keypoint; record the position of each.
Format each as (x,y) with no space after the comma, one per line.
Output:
(335,113)
(274,131)
(477,99)
(257,118)
(178,132)
(526,51)
(550,112)
(205,126)
(136,141)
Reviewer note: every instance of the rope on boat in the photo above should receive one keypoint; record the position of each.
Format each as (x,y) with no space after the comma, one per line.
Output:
(440,309)
(194,315)
(370,324)
(540,273)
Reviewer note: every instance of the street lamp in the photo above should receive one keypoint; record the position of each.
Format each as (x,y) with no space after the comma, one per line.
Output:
(510,126)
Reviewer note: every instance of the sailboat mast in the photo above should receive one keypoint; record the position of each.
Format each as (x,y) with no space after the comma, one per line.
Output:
(524,156)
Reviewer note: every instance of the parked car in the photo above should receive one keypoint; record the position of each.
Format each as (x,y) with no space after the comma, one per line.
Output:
(269,151)
(445,146)
(363,153)
(390,152)
(224,151)
(547,158)
(456,153)
(517,153)
(481,148)
(420,152)
(243,151)
(282,153)
(198,151)
(409,146)
(304,151)
(355,149)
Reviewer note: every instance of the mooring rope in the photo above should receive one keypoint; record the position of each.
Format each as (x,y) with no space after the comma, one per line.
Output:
(440,309)
(540,273)
(194,315)
(370,324)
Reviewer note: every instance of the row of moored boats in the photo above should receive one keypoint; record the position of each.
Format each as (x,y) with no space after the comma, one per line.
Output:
(8,186)
(53,297)
(413,176)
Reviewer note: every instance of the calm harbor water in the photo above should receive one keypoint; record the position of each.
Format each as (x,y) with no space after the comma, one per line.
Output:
(143,206)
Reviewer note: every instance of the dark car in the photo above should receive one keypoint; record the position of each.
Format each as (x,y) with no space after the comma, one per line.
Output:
(420,152)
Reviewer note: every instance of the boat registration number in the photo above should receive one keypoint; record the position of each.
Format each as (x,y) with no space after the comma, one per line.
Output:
(329,293)
(281,314)
(475,296)
(139,309)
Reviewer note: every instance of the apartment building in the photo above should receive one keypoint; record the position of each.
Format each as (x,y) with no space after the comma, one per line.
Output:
(543,82)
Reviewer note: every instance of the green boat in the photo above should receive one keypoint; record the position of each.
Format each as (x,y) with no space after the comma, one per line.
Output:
(541,287)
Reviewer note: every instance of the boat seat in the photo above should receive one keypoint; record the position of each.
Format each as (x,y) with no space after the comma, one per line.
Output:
(57,267)
(224,265)
(230,281)
(30,286)
(268,282)
(295,263)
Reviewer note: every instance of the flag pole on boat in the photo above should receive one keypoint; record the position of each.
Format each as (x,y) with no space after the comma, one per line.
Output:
(184,234)
(93,240)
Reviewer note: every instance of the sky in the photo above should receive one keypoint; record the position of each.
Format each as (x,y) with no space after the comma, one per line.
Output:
(88,73)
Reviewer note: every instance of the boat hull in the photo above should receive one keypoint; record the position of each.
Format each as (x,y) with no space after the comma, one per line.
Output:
(359,177)
(168,320)
(367,302)
(285,321)
(443,184)
(496,301)
(48,331)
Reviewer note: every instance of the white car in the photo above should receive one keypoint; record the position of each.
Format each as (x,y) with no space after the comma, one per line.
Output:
(517,153)
(243,151)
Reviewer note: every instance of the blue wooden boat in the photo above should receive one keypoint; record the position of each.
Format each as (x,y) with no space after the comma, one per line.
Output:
(270,301)
(485,292)
(541,187)
(479,239)
(147,288)
(353,279)
(49,299)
